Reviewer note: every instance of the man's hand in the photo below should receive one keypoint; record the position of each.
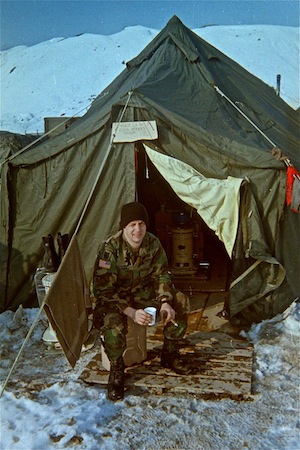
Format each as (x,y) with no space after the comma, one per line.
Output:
(167,313)
(142,317)
(139,316)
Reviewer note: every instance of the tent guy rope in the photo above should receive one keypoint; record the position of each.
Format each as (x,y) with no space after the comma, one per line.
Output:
(22,150)
(244,115)
(22,348)
(220,92)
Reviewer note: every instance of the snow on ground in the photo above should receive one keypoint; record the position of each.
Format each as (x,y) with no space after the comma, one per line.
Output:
(45,405)
(61,77)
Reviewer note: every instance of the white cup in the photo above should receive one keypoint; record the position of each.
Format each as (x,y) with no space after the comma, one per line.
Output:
(151,310)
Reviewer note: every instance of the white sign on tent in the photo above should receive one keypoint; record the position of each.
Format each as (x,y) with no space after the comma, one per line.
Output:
(134,131)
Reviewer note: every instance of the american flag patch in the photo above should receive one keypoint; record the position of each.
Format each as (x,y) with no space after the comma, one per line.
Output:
(104,264)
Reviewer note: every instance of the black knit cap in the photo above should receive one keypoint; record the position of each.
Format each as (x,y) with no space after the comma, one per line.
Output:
(131,212)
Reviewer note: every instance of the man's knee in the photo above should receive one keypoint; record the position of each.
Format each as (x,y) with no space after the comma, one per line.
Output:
(181,303)
(114,340)
(114,336)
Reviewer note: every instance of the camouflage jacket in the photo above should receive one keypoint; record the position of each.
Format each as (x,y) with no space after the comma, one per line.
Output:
(122,277)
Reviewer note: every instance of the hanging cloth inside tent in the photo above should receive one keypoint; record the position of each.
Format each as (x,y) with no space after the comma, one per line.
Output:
(216,201)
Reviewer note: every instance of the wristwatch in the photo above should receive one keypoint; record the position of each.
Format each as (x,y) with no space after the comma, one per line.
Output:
(165,300)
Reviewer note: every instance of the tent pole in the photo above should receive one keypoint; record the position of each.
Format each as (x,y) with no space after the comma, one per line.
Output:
(101,166)
(76,230)
(93,189)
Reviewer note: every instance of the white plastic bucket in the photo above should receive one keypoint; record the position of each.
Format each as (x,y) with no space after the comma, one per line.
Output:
(49,335)
(48,280)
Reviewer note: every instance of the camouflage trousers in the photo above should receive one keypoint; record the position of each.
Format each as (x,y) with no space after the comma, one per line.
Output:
(114,325)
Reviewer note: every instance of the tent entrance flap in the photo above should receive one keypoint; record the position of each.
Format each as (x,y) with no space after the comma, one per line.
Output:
(216,201)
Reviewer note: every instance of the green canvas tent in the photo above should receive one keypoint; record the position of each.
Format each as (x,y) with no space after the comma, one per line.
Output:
(208,154)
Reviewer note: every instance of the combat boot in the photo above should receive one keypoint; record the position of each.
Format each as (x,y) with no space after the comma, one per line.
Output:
(51,260)
(170,358)
(62,241)
(115,387)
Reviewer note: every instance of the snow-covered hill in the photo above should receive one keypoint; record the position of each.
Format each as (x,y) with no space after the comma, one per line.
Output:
(61,77)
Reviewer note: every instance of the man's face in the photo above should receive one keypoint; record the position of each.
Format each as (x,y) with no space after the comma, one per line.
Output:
(134,233)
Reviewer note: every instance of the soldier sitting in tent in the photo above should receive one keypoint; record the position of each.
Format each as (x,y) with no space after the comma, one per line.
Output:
(131,273)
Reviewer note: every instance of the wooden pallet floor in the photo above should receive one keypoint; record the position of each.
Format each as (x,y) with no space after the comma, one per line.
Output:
(221,360)
(223,368)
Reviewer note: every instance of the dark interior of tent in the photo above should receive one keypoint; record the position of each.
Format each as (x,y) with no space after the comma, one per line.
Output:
(198,261)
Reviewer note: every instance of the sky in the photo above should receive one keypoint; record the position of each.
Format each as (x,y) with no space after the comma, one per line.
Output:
(28,22)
